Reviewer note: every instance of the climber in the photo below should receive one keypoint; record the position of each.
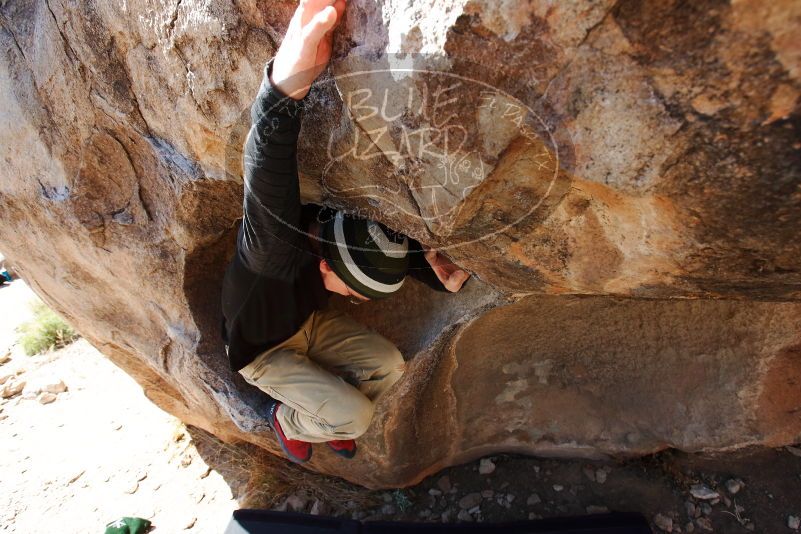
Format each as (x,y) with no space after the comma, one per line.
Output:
(322,370)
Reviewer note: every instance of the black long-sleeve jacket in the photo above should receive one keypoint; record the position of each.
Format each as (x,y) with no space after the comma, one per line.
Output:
(273,283)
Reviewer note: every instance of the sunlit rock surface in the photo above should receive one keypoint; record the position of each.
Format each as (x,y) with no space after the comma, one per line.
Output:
(594,165)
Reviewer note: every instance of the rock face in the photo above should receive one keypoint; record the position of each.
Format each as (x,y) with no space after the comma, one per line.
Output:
(623,180)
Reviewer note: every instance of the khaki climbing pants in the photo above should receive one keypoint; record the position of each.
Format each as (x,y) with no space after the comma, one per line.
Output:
(328,376)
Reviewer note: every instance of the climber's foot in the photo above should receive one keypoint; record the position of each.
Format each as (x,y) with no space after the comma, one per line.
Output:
(296,450)
(343,447)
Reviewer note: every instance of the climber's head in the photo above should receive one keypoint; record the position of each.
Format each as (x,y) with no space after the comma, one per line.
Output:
(334,283)
(361,258)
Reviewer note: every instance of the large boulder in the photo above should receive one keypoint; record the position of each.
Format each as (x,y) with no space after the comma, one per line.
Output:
(622,179)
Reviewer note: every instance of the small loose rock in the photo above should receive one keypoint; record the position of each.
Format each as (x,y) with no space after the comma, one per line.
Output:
(703,492)
(44,384)
(464,516)
(734,485)
(46,397)
(663,522)
(55,386)
(793,522)
(486,466)
(600,476)
(533,499)
(470,500)
(296,503)
(318,507)
(692,510)
(12,388)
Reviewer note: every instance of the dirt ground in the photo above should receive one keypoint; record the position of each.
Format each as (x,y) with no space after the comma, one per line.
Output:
(771,491)
(748,491)
(101,450)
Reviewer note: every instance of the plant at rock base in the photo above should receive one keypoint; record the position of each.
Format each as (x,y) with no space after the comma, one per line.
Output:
(46,331)
(402,500)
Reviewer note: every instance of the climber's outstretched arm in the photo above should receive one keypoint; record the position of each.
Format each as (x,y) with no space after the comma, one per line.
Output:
(269,240)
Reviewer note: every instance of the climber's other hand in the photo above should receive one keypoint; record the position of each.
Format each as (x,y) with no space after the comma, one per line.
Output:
(307,46)
(451,276)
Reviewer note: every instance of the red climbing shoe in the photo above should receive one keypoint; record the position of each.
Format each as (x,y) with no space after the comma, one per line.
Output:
(296,450)
(343,447)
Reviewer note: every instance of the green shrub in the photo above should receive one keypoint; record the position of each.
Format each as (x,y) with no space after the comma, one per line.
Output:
(46,331)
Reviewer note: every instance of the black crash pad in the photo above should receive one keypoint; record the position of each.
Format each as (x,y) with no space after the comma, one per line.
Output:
(270,522)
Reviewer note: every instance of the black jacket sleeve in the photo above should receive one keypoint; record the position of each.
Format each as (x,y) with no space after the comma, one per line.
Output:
(273,283)
(269,241)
